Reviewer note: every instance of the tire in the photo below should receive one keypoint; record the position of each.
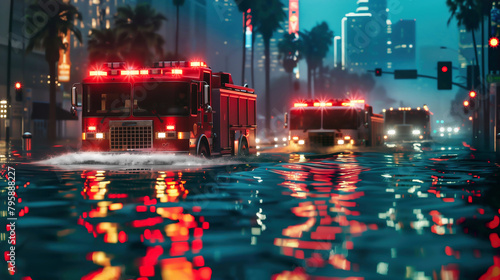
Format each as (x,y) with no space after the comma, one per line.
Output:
(244,150)
(203,151)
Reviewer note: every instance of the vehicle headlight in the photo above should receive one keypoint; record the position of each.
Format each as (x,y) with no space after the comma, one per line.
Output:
(302,142)
(416,132)
(340,142)
(99,135)
(391,132)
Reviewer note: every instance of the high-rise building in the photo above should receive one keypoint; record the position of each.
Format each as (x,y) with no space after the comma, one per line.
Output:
(403,44)
(364,36)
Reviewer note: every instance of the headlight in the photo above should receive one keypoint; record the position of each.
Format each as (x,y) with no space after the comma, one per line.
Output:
(340,142)
(257,140)
(302,142)
(416,132)
(456,129)
(441,129)
(391,132)
(99,135)
(161,135)
(284,139)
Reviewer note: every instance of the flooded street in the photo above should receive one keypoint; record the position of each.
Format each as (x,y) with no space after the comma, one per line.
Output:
(356,215)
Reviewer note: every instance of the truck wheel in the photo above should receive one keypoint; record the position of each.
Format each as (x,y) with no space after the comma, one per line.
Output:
(244,150)
(203,151)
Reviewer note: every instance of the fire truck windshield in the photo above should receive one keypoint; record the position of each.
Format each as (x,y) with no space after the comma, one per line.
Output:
(161,99)
(305,119)
(111,99)
(413,117)
(340,119)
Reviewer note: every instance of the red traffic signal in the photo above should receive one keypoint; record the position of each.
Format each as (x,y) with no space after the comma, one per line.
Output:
(493,42)
(472,94)
(378,72)
(444,75)
(19,91)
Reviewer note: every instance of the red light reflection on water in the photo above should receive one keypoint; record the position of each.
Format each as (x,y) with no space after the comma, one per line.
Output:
(174,240)
(329,196)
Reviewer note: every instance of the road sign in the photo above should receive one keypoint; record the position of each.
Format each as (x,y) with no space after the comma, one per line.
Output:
(405,74)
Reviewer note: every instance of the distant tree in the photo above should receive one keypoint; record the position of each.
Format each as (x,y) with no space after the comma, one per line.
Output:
(346,84)
(270,17)
(178,4)
(243,7)
(314,45)
(289,54)
(104,45)
(48,35)
(138,28)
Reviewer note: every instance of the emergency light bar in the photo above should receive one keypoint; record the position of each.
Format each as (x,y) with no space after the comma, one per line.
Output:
(177,71)
(129,72)
(98,73)
(334,102)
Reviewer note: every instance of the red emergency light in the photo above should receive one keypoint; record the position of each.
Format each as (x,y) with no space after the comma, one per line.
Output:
(300,105)
(170,127)
(98,73)
(129,72)
(177,71)
(322,104)
(197,64)
(18,85)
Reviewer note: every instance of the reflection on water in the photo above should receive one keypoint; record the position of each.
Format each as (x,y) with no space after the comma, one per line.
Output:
(401,215)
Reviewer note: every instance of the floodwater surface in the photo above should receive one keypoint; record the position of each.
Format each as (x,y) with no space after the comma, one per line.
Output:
(358,215)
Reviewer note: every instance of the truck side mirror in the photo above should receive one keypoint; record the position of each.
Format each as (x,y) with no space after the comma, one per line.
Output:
(206,89)
(286,121)
(75,92)
(206,100)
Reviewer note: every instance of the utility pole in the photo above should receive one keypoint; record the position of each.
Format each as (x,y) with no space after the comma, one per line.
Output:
(9,58)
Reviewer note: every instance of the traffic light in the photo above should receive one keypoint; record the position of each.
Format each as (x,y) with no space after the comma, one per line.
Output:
(378,72)
(444,74)
(472,99)
(19,91)
(466,107)
(493,54)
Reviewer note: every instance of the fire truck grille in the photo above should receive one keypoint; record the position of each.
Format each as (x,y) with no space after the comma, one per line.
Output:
(321,139)
(127,137)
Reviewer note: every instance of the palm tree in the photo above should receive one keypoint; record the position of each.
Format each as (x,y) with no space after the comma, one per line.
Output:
(138,27)
(243,7)
(104,45)
(314,45)
(177,4)
(469,14)
(289,53)
(270,17)
(49,36)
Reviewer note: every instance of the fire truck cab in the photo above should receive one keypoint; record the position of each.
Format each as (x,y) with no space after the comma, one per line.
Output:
(334,122)
(175,106)
(407,125)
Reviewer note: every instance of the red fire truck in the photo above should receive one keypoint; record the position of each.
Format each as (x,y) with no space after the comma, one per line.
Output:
(174,106)
(334,122)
